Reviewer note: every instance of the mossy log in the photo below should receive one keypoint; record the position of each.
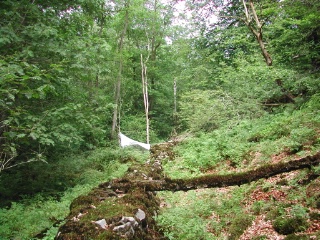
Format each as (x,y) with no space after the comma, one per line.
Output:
(216,180)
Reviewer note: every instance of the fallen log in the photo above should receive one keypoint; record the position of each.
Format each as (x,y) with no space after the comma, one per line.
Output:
(216,180)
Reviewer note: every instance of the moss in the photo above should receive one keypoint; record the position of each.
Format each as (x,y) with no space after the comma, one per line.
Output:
(239,224)
(112,209)
(108,210)
(296,237)
(113,205)
(289,225)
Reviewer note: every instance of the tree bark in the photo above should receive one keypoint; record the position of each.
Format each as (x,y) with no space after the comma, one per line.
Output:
(257,30)
(217,180)
(145,95)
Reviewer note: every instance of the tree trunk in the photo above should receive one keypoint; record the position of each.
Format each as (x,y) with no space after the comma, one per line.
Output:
(217,180)
(119,77)
(175,120)
(145,95)
(154,45)
(257,30)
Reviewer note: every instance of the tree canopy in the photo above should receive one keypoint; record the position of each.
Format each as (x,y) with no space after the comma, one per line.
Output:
(67,67)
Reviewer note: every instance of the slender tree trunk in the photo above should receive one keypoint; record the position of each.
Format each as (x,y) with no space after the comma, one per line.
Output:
(145,95)
(154,45)
(175,103)
(119,77)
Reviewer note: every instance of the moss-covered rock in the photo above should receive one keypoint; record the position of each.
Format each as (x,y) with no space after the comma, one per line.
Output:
(103,213)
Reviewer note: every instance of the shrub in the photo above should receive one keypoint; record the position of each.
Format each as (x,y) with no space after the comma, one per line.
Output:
(239,224)
(289,225)
(258,207)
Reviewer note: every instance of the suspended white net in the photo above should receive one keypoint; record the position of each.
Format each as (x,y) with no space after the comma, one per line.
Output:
(125,142)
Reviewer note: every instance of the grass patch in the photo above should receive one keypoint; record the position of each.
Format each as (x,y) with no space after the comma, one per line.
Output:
(239,225)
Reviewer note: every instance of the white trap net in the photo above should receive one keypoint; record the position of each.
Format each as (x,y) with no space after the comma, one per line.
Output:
(126,142)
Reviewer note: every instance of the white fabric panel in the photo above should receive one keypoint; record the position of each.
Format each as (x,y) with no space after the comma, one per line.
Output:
(125,142)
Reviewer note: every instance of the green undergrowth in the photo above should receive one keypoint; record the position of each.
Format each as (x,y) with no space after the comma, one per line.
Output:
(43,210)
(293,131)
(204,214)
(290,202)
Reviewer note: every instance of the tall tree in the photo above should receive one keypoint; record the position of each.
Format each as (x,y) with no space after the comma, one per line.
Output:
(120,69)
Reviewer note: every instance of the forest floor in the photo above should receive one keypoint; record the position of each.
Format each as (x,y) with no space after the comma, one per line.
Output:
(281,192)
(262,225)
(279,206)
(284,206)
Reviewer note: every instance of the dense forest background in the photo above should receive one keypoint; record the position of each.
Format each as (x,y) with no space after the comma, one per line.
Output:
(230,73)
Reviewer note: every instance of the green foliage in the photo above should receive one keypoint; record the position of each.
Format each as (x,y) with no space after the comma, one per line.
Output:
(239,225)
(296,237)
(295,32)
(203,214)
(209,110)
(44,110)
(218,147)
(289,220)
(28,217)
(237,93)
(258,207)
(267,135)
(52,179)
(59,61)
(263,237)
(289,225)
(179,222)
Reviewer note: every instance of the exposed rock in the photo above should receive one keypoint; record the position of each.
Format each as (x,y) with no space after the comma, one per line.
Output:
(102,223)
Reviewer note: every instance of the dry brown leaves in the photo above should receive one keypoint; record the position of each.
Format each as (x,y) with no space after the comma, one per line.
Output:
(261,227)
